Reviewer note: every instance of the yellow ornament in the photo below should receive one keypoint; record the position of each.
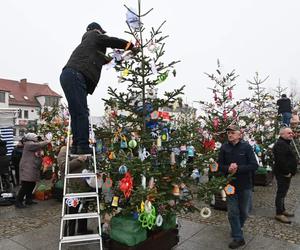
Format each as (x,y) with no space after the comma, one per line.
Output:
(125,72)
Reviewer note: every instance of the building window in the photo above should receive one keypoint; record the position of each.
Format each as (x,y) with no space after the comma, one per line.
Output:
(20,113)
(2,97)
(26,114)
(51,101)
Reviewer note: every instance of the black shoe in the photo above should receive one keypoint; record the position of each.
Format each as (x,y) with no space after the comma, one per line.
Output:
(19,205)
(30,202)
(88,231)
(236,244)
(84,151)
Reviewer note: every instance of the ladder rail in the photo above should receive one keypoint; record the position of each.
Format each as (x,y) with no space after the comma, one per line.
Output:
(64,216)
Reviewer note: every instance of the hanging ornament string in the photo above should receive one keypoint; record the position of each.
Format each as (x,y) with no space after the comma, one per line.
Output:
(126,185)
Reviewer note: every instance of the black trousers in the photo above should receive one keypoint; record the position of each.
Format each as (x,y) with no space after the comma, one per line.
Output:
(69,229)
(283,185)
(25,190)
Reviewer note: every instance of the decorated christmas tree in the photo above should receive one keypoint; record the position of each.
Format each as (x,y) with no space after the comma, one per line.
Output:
(145,152)
(263,127)
(53,122)
(215,117)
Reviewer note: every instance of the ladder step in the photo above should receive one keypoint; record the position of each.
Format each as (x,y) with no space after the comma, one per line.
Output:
(81,195)
(76,155)
(81,175)
(78,238)
(80,216)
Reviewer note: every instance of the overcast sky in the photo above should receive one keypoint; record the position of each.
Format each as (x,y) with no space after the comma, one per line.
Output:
(37,38)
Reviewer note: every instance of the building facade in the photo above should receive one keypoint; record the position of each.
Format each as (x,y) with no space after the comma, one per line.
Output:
(28,99)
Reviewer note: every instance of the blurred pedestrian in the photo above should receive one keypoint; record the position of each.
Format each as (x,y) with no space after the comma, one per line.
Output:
(30,165)
(16,158)
(4,166)
(285,168)
(285,109)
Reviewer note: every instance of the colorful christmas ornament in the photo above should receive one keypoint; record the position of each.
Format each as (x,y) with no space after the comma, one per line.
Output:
(72,202)
(205,212)
(229,189)
(158,142)
(132,143)
(107,184)
(133,20)
(126,185)
(123,169)
(159,220)
(214,167)
(115,201)
(123,143)
(176,191)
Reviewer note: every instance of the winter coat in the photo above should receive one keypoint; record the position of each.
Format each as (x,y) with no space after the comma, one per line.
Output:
(30,164)
(284,158)
(89,56)
(4,159)
(16,155)
(242,154)
(284,105)
(75,166)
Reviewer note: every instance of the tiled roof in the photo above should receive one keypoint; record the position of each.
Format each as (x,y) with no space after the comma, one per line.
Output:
(22,88)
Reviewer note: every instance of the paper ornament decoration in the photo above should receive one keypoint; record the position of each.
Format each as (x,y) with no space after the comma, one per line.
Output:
(133,20)
(229,189)
(126,185)
(176,191)
(123,169)
(115,201)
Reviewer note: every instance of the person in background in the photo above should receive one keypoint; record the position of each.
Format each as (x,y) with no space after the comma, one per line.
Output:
(236,158)
(80,77)
(295,119)
(285,168)
(285,109)
(30,165)
(16,158)
(4,164)
(76,185)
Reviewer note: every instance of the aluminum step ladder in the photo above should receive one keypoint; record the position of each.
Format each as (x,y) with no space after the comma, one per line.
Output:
(83,239)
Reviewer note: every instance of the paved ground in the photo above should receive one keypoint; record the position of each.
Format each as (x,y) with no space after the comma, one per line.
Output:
(37,227)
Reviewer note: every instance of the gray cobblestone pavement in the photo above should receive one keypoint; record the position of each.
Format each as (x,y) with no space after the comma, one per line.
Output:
(261,220)
(37,227)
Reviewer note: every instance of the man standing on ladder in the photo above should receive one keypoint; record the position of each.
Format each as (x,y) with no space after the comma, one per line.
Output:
(285,109)
(80,77)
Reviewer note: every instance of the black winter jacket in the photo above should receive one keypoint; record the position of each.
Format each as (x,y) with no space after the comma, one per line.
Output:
(4,159)
(284,157)
(284,105)
(89,56)
(242,154)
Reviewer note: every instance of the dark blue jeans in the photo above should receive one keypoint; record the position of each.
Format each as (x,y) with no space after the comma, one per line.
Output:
(74,86)
(238,209)
(286,118)
(283,185)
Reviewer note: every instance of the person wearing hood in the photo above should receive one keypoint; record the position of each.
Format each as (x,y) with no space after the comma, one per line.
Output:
(285,168)
(285,109)
(30,164)
(80,77)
